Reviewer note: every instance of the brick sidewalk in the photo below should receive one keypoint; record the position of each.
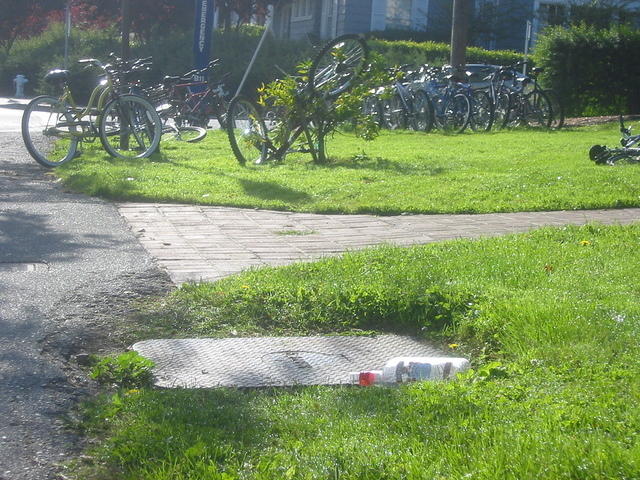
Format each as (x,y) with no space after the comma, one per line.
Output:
(199,243)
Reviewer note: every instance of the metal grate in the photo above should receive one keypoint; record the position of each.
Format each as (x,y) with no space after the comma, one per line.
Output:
(273,361)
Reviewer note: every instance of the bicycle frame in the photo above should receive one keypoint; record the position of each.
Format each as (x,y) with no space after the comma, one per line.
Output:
(98,99)
(295,132)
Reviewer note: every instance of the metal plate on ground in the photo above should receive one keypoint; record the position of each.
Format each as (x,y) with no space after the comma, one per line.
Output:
(273,361)
(23,267)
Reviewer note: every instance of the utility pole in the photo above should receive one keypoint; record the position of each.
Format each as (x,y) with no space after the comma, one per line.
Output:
(459,32)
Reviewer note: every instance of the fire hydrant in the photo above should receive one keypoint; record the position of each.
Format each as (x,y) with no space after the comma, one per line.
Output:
(19,82)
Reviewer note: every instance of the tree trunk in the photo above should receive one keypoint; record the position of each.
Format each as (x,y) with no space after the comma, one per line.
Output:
(459,32)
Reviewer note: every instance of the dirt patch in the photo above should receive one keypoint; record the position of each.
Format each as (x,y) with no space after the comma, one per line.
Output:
(588,121)
(98,320)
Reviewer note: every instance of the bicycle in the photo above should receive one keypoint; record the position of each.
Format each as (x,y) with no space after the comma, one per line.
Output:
(195,102)
(406,106)
(481,113)
(630,151)
(528,102)
(499,95)
(451,108)
(333,71)
(127,124)
(186,105)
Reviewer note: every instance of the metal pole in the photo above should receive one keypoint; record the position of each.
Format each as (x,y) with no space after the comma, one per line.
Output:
(126,29)
(267,27)
(459,29)
(527,41)
(67,33)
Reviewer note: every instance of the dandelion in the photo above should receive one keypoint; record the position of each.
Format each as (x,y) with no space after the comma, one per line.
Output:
(245,286)
(585,243)
(453,346)
(133,391)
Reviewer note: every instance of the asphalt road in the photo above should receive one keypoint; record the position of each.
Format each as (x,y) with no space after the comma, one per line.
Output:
(57,250)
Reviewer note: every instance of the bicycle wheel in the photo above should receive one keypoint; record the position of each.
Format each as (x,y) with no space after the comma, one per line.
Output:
(537,111)
(335,68)
(393,113)
(130,127)
(481,118)
(49,132)
(501,110)
(557,109)
(455,113)
(373,107)
(247,131)
(184,133)
(422,114)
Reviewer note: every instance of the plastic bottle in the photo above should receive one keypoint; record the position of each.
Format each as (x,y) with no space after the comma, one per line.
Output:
(411,369)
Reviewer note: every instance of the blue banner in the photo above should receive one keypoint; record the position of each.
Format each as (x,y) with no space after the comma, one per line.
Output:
(202,34)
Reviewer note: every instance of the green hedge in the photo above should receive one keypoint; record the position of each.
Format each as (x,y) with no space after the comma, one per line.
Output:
(400,52)
(171,51)
(596,71)
(35,56)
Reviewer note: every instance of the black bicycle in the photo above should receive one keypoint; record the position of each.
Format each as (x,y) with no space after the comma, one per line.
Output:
(333,71)
(629,151)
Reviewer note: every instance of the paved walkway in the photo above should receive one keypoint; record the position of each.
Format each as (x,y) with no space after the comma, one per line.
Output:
(199,243)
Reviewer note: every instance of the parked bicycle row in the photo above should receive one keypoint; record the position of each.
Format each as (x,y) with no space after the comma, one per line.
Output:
(478,97)
(129,118)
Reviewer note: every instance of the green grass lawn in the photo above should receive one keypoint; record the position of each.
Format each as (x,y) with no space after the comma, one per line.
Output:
(398,172)
(550,320)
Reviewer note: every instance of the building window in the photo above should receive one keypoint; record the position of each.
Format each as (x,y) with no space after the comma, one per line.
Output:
(302,10)
(552,14)
(398,14)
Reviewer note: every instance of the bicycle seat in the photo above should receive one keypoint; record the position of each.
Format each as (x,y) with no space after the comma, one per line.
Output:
(57,76)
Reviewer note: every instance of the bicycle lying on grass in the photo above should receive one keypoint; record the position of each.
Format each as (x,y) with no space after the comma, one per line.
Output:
(127,124)
(333,71)
(629,152)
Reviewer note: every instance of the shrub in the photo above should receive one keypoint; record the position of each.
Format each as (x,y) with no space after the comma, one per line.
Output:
(592,69)
(128,370)
(400,52)
(35,56)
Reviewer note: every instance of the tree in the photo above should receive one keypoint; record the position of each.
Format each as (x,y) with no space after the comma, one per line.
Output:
(601,13)
(233,13)
(22,18)
(147,16)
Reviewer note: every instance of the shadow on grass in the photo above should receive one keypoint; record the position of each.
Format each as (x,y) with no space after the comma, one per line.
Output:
(187,427)
(364,162)
(273,191)
(95,185)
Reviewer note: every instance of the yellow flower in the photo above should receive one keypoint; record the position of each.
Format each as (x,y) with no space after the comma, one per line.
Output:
(453,345)
(584,243)
(246,286)
(133,391)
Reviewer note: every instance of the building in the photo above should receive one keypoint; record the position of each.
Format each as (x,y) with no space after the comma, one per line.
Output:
(497,24)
